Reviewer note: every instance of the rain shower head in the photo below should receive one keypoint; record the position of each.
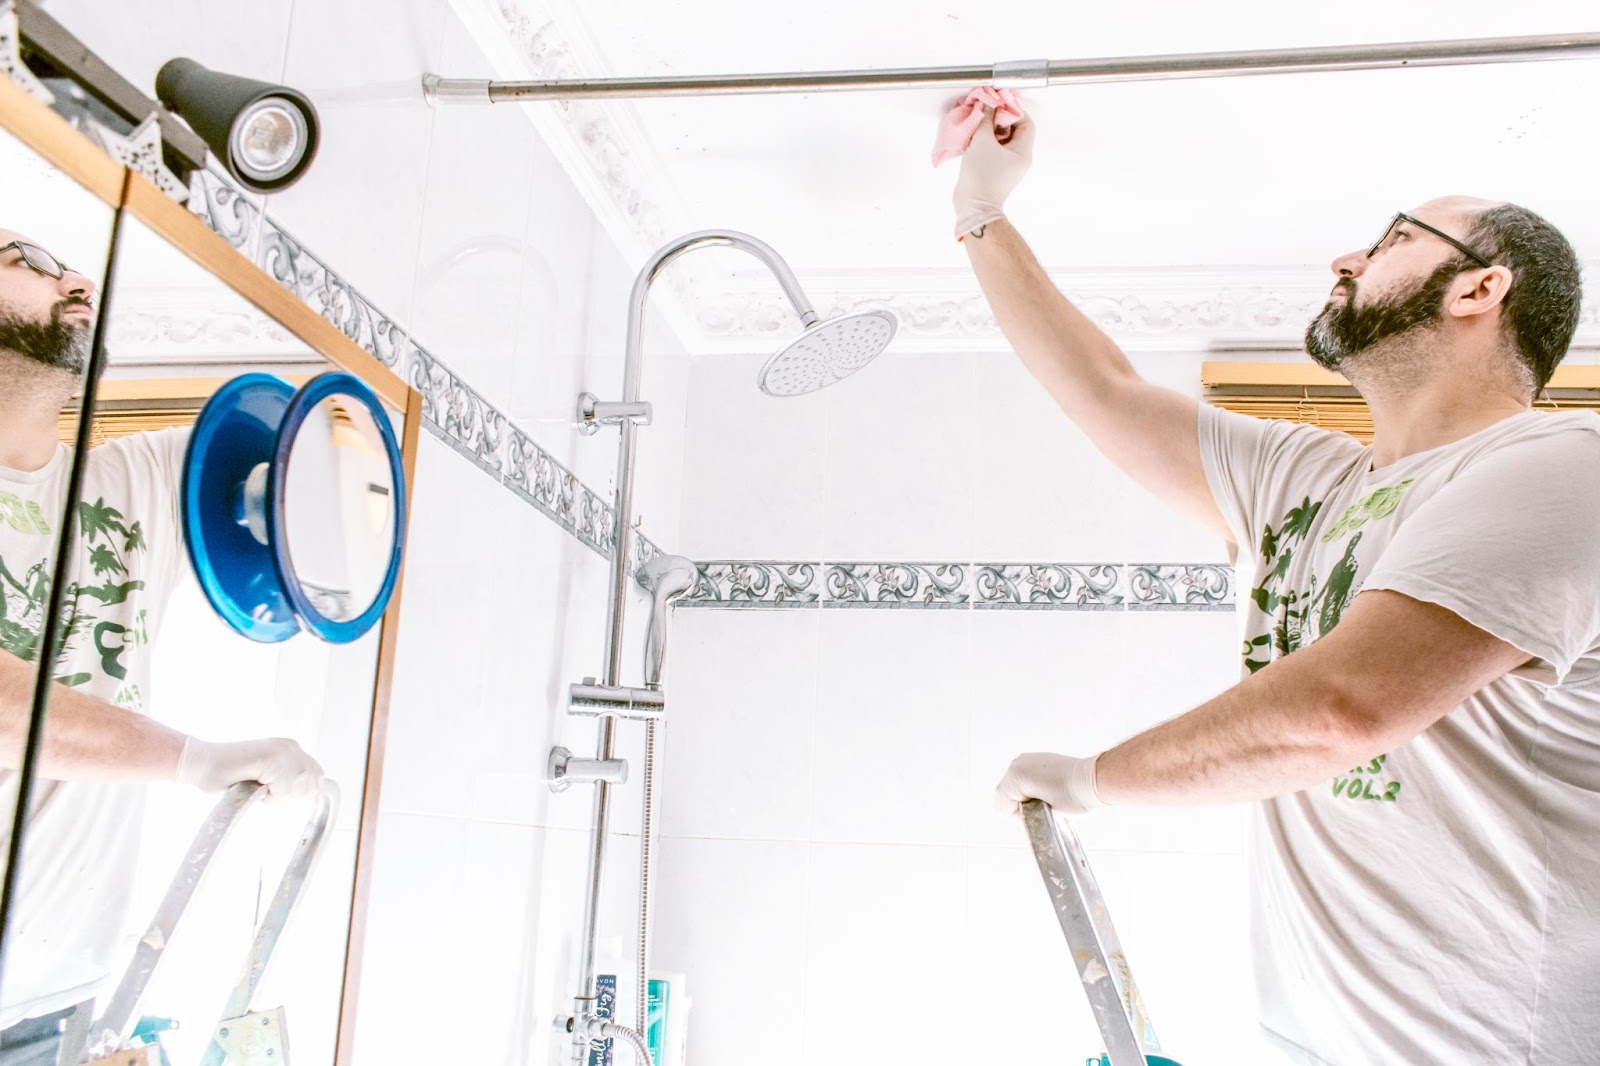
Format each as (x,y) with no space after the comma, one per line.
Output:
(827,352)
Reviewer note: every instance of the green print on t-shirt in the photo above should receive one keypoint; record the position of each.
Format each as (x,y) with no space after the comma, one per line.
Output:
(1300,616)
(113,546)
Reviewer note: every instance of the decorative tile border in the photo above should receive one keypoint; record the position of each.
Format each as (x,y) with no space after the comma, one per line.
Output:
(459,416)
(1192,587)
(452,410)
(880,585)
(774,585)
(1050,586)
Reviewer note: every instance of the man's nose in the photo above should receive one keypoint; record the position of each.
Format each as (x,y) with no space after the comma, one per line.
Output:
(1351,264)
(75,284)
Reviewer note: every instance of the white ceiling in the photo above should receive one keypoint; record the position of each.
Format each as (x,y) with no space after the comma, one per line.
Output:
(1145,196)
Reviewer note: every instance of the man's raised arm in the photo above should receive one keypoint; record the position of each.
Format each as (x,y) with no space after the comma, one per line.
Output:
(1150,433)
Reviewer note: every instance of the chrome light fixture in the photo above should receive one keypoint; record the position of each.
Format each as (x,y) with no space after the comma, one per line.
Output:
(266,135)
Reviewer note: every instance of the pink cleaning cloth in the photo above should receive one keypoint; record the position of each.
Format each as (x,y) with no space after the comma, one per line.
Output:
(961,121)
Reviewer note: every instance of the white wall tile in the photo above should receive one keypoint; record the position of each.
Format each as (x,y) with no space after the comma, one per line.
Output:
(1183,923)
(731,915)
(1041,681)
(753,466)
(1014,955)
(415,940)
(901,461)
(884,954)
(1042,491)
(250,42)
(892,746)
(473,251)
(432,754)
(738,759)
(360,205)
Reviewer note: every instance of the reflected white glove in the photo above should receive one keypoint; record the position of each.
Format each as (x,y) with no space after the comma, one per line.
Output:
(281,765)
(989,172)
(1065,783)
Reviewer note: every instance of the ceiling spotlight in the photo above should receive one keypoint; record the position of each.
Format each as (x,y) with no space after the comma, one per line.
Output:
(266,135)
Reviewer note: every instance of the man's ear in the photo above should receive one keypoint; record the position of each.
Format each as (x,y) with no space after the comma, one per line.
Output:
(1486,291)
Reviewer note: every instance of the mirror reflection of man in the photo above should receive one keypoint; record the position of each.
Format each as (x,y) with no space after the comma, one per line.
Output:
(99,746)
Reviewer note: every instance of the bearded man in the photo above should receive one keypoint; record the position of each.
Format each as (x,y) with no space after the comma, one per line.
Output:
(1418,722)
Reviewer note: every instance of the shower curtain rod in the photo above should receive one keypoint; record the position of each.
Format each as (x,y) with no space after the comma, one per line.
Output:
(1032,73)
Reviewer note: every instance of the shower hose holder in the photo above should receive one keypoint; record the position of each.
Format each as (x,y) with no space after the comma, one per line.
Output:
(594,412)
(615,701)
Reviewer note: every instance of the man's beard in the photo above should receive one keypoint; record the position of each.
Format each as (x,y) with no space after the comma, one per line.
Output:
(1346,330)
(57,344)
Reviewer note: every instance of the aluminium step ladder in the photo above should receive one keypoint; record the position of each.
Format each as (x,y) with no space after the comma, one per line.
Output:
(243,1037)
(1097,957)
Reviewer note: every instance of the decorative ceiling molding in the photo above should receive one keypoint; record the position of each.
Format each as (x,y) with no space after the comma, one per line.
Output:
(194,324)
(1195,309)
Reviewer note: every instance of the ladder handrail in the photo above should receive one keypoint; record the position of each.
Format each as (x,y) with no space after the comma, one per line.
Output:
(111,1030)
(1096,952)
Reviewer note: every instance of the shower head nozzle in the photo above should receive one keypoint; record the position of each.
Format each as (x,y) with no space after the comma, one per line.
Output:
(827,352)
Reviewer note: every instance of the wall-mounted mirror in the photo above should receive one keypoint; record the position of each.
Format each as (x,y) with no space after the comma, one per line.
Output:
(54,239)
(105,848)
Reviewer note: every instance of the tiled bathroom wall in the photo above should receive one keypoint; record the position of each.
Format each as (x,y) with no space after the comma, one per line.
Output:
(834,881)
(450,244)
(932,572)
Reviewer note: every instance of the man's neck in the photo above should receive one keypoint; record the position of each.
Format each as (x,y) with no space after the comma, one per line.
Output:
(31,398)
(1427,408)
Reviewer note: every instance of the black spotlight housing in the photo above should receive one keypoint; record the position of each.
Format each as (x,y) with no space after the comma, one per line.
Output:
(266,135)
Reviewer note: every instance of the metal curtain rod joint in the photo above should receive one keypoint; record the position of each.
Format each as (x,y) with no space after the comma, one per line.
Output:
(1033,73)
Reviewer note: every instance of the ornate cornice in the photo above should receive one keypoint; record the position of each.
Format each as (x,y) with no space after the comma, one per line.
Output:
(185,324)
(1192,310)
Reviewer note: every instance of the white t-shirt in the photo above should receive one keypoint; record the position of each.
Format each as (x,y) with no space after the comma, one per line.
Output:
(81,849)
(1440,904)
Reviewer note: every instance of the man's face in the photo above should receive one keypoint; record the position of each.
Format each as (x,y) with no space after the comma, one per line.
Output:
(43,318)
(1399,287)
(1350,324)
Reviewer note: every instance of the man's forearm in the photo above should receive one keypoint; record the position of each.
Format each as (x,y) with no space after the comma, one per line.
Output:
(1067,353)
(1271,734)
(85,739)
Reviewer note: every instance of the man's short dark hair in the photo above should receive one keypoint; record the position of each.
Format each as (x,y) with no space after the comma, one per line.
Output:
(1540,311)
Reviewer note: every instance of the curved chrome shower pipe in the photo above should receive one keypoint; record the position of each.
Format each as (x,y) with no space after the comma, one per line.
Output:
(623,547)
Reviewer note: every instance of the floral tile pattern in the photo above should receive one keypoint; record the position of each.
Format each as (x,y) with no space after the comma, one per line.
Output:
(1049,586)
(1168,587)
(749,583)
(976,586)
(898,585)
(452,410)
(460,417)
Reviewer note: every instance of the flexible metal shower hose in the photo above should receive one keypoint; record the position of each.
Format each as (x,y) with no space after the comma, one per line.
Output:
(647,828)
(622,1032)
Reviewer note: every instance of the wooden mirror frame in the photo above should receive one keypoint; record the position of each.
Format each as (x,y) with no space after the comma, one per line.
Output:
(49,135)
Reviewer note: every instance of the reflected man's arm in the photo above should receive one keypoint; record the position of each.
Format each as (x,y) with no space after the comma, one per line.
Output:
(85,739)
(88,739)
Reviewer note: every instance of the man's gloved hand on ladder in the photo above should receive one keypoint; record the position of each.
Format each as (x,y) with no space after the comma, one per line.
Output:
(1064,782)
(279,764)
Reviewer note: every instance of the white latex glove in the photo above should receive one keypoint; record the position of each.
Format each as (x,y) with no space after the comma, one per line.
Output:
(281,765)
(1065,783)
(989,172)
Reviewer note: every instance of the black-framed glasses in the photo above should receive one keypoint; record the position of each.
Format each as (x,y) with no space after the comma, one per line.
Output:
(38,259)
(1401,216)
